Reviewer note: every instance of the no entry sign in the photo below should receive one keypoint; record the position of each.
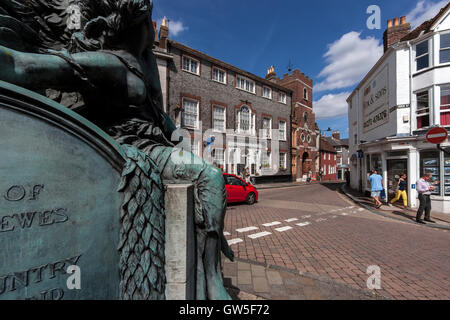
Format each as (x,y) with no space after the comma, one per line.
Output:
(437,135)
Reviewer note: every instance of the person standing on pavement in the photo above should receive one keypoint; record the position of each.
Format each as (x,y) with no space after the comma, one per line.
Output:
(320,174)
(424,189)
(401,192)
(376,183)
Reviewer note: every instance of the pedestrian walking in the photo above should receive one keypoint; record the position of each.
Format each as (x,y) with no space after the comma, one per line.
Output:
(376,184)
(320,174)
(424,189)
(247,175)
(401,191)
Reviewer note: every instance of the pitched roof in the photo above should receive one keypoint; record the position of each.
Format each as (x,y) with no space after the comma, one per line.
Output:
(426,26)
(325,145)
(228,66)
(337,142)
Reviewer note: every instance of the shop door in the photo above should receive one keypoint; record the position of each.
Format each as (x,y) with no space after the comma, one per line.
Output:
(395,168)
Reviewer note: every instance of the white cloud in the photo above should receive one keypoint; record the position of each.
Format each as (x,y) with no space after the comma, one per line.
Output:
(349,59)
(331,105)
(175,27)
(424,10)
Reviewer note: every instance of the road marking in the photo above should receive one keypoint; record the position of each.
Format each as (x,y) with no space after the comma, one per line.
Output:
(291,220)
(276,223)
(351,207)
(344,214)
(283,229)
(360,209)
(320,220)
(259,235)
(226,234)
(334,217)
(304,224)
(246,229)
(306,217)
(235,241)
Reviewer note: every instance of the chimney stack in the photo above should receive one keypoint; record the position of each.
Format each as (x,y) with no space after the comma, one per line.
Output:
(271,75)
(396,30)
(163,34)
(336,135)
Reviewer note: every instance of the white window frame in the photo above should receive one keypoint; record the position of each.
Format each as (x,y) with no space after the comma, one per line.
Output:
(282,97)
(428,113)
(447,87)
(268,158)
(428,53)
(302,137)
(443,49)
(267,132)
(270,92)
(197,72)
(197,121)
(283,155)
(252,121)
(308,139)
(224,118)
(282,127)
(218,77)
(243,81)
(220,161)
(305,94)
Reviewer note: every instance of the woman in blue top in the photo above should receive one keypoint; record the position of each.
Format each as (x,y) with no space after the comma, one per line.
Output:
(401,192)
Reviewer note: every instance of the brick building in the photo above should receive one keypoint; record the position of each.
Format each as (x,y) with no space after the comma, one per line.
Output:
(341,147)
(305,132)
(226,110)
(328,160)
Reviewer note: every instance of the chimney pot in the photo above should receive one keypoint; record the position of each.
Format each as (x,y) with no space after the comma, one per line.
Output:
(396,22)
(403,20)
(389,23)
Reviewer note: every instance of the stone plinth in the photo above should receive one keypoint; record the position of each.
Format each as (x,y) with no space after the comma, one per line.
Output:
(180,242)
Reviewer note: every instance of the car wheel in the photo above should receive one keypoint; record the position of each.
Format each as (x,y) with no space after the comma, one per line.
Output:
(251,198)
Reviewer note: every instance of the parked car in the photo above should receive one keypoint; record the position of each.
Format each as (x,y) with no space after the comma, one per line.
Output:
(239,191)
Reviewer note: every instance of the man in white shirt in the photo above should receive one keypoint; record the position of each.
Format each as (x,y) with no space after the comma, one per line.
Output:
(424,189)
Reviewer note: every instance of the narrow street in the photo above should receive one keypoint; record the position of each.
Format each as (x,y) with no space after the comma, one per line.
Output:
(317,231)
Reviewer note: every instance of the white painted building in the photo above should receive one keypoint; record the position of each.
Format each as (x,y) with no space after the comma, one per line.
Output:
(405,94)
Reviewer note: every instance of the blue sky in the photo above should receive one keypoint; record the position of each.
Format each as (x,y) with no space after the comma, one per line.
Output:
(326,39)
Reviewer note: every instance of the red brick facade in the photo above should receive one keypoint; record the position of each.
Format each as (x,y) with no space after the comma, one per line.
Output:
(304,153)
(328,161)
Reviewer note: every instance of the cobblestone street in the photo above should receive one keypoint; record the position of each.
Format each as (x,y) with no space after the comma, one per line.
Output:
(328,241)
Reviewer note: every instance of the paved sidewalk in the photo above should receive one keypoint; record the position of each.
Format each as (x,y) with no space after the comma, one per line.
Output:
(247,280)
(396,212)
(264,186)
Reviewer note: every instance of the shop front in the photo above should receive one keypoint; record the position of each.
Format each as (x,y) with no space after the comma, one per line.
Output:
(414,156)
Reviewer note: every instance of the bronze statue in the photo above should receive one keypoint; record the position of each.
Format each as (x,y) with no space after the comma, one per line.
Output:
(108,70)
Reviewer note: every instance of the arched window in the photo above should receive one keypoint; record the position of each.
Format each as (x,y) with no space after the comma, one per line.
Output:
(245,120)
(305,117)
(305,93)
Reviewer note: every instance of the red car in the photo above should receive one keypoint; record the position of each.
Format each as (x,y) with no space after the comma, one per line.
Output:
(238,190)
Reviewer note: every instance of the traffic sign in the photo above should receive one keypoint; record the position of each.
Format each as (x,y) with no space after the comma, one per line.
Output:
(437,135)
